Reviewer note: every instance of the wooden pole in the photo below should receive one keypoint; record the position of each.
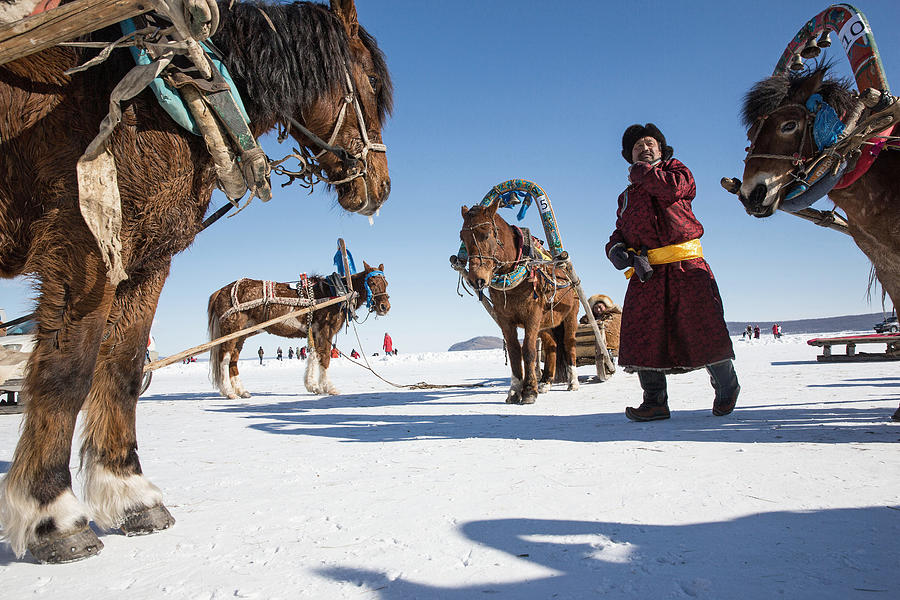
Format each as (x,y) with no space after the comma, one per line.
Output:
(823,218)
(65,23)
(605,367)
(343,250)
(203,347)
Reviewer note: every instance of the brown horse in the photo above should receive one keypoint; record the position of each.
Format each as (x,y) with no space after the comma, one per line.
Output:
(536,303)
(779,126)
(266,300)
(290,64)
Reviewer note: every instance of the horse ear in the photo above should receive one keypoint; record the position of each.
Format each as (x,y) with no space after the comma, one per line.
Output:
(465,210)
(808,87)
(493,206)
(381,267)
(366,266)
(345,10)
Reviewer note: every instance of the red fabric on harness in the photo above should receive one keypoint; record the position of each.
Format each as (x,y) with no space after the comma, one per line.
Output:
(44,5)
(866,159)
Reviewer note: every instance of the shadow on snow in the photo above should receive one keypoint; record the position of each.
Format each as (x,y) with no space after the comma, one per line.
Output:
(838,553)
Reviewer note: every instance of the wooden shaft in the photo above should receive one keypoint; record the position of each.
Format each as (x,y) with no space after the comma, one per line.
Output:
(604,365)
(343,249)
(65,23)
(203,347)
(823,219)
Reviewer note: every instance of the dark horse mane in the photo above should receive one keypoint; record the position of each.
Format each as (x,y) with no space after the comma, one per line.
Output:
(768,94)
(308,40)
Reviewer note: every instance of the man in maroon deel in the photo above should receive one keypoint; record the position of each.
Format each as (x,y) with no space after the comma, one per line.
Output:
(672,317)
(388,344)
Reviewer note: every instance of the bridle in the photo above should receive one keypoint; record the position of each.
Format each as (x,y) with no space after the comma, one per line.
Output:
(371,303)
(797,157)
(311,170)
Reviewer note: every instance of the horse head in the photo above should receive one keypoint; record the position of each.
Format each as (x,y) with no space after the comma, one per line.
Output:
(375,286)
(319,75)
(780,129)
(480,234)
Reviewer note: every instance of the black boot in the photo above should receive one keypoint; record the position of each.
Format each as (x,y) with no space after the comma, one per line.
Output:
(655,406)
(724,380)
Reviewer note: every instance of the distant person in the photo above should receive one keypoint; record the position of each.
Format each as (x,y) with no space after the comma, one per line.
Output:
(749,332)
(298,352)
(354,354)
(261,353)
(396,351)
(775,330)
(335,353)
(672,317)
(278,353)
(290,352)
(302,353)
(388,344)
(756,331)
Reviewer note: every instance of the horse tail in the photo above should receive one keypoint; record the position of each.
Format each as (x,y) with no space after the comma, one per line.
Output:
(562,354)
(215,331)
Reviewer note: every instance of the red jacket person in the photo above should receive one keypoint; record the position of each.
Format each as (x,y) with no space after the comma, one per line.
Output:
(672,317)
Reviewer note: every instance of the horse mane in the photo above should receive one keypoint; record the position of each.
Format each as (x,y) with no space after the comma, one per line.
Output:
(304,58)
(770,93)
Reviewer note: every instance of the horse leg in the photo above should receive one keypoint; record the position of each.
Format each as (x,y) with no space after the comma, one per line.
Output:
(234,377)
(548,350)
(114,487)
(529,358)
(510,335)
(324,341)
(310,379)
(222,370)
(38,510)
(569,329)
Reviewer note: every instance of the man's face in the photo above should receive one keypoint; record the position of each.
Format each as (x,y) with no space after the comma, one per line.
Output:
(646,150)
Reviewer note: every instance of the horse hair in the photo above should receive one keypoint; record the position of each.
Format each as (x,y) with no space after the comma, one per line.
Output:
(283,70)
(770,93)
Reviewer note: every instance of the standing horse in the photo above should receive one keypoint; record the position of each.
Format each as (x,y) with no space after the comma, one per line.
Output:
(266,300)
(291,64)
(780,129)
(536,303)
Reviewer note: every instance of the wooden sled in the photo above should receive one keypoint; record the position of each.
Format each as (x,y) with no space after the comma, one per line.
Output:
(891,341)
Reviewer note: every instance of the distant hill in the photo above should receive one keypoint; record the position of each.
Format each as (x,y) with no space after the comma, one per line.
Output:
(824,325)
(482,342)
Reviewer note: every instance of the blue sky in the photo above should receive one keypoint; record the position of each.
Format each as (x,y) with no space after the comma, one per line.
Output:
(491,90)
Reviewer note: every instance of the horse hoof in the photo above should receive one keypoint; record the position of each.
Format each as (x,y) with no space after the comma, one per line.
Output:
(147,520)
(232,396)
(543,388)
(513,398)
(67,547)
(573,387)
(529,397)
(245,395)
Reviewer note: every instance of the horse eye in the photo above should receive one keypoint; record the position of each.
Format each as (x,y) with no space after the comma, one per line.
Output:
(788,126)
(373,81)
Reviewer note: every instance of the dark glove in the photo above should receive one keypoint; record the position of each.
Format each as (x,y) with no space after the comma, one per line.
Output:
(620,257)
(641,265)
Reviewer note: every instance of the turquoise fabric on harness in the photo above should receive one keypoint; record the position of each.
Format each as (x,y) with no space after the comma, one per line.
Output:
(169,98)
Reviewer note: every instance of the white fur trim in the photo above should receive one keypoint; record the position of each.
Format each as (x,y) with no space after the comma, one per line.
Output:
(111,496)
(20,514)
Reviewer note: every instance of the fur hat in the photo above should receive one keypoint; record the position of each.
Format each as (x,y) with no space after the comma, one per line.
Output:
(603,299)
(636,132)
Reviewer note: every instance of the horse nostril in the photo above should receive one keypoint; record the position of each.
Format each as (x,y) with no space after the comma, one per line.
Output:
(758,194)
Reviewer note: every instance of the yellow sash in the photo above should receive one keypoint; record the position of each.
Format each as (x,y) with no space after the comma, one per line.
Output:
(669,254)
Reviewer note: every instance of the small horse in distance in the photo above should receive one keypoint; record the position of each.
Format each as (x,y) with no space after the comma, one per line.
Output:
(780,129)
(267,300)
(298,63)
(536,302)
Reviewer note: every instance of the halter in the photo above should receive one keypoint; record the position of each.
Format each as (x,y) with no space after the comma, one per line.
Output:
(797,157)
(309,164)
(370,297)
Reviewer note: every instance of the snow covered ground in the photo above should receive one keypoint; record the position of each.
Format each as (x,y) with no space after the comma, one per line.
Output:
(390,493)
